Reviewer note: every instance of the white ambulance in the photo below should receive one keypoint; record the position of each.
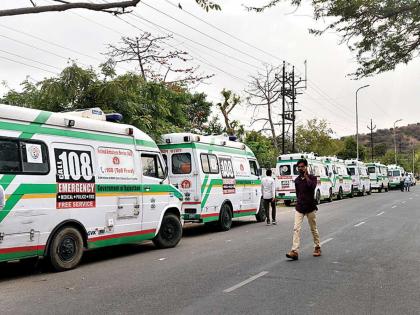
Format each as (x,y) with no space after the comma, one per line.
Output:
(287,173)
(71,183)
(220,178)
(359,177)
(340,178)
(395,176)
(378,174)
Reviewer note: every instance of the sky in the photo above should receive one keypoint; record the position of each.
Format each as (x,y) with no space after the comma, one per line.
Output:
(40,45)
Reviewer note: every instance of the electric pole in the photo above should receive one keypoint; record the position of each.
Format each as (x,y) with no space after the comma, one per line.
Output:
(283,116)
(371,136)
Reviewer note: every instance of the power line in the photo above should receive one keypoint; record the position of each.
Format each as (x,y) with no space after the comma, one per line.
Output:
(33,60)
(25,64)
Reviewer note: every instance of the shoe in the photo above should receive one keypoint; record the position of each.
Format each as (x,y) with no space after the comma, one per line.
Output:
(317,251)
(268,222)
(293,255)
(274,222)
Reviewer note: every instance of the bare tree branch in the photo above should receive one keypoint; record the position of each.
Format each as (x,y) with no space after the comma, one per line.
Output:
(121,5)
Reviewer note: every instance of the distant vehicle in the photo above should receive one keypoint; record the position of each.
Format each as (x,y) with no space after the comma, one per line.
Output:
(378,174)
(340,178)
(412,178)
(359,176)
(287,173)
(71,183)
(220,178)
(395,176)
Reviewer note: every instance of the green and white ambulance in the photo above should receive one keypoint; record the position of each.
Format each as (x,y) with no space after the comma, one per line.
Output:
(72,183)
(220,178)
(395,176)
(378,174)
(359,177)
(340,178)
(287,173)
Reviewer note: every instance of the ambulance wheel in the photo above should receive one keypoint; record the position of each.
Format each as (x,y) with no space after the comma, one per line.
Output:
(170,232)
(351,193)
(363,191)
(340,194)
(261,216)
(369,192)
(386,188)
(66,249)
(287,203)
(225,218)
(330,196)
(380,188)
(318,197)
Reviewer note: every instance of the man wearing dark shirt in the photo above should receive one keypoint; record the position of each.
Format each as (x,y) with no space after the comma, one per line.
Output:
(305,206)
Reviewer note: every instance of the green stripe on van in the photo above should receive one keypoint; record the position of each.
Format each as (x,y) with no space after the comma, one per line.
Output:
(205,146)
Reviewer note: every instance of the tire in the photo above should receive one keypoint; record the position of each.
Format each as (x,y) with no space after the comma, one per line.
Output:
(318,197)
(170,232)
(380,188)
(340,194)
(387,189)
(363,191)
(66,249)
(369,192)
(330,197)
(351,193)
(261,215)
(287,203)
(225,218)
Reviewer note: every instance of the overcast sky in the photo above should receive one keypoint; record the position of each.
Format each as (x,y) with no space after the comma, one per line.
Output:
(279,33)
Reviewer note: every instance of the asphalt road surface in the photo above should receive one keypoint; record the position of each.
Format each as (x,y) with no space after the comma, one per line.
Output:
(370,265)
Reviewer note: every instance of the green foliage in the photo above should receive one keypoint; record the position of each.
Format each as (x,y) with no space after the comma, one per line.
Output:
(383,34)
(153,107)
(315,136)
(263,148)
(349,150)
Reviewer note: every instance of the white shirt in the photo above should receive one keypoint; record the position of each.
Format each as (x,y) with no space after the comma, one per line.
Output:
(268,188)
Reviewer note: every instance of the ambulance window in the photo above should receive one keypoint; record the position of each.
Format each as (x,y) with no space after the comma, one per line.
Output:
(152,166)
(295,170)
(352,171)
(371,169)
(285,170)
(254,167)
(35,157)
(9,157)
(165,158)
(181,163)
(209,163)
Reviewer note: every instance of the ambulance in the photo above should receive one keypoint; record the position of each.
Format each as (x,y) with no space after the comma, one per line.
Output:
(395,176)
(359,177)
(340,178)
(74,181)
(219,177)
(287,173)
(378,174)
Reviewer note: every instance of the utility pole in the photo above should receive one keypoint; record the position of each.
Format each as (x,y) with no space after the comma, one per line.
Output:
(283,116)
(293,110)
(371,136)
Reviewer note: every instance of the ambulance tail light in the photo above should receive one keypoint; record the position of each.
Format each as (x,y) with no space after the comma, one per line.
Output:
(130,131)
(187,139)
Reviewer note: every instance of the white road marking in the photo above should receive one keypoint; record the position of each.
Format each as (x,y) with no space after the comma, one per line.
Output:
(410,198)
(359,224)
(393,207)
(404,201)
(241,284)
(161,259)
(381,213)
(326,241)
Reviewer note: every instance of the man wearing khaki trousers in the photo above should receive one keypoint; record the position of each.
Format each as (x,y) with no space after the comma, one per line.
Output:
(305,206)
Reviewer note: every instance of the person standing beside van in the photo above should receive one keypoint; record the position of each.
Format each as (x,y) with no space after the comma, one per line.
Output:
(407,182)
(268,190)
(305,206)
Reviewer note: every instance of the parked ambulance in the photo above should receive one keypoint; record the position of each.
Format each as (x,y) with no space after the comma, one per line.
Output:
(395,176)
(287,173)
(71,183)
(359,177)
(378,174)
(219,178)
(340,178)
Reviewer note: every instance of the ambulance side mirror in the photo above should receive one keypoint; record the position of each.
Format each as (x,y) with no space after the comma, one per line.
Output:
(260,171)
(2,198)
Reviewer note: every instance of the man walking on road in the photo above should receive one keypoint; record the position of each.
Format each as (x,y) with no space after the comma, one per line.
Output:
(268,189)
(305,206)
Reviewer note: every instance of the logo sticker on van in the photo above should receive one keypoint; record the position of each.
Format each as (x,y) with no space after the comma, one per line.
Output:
(228,175)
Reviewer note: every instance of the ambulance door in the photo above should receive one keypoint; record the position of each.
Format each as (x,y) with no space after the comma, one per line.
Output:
(155,195)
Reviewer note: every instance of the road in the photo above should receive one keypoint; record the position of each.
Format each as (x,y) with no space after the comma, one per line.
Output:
(370,265)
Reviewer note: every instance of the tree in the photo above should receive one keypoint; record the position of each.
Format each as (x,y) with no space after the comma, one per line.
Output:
(349,151)
(154,61)
(263,92)
(230,100)
(383,34)
(118,6)
(263,148)
(315,136)
(151,106)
